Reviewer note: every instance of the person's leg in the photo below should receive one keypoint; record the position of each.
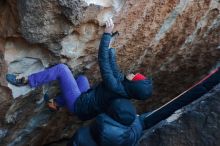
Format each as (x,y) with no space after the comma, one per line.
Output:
(83,83)
(69,88)
(60,101)
(46,76)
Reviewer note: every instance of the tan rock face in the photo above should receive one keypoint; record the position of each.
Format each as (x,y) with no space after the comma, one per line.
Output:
(175,41)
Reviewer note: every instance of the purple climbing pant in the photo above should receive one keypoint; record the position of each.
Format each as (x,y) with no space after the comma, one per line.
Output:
(70,88)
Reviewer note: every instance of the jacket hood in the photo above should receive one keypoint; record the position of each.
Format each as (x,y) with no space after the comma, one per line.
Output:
(108,132)
(139,90)
(122,111)
(82,137)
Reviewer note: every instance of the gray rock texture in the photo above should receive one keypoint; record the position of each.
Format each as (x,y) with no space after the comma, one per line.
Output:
(42,22)
(197,124)
(73,10)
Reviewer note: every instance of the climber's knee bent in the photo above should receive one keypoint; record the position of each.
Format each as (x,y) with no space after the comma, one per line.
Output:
(83,83)
(62,68)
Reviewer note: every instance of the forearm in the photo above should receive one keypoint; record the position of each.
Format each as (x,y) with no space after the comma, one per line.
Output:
(114,66)
(105,41)
(103,55)
(105,68)
(110,81)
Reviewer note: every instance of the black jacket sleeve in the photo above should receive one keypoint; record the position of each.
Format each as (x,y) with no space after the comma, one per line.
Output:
(110,81)
(114,66)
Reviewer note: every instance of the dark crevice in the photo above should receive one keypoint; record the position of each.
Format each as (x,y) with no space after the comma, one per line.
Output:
(63,140)
(3,3)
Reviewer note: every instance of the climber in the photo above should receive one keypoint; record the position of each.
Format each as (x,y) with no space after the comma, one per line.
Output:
(119,126)
(77,96)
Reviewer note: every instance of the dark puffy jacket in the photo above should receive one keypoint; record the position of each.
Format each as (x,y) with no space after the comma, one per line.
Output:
(113,86)
(108,132)
(113,80)
(122,111)
(82,137)
(119,126)
(105,131)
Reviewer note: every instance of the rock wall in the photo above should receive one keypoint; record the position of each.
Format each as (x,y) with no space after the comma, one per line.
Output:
(175,41)
(194,125)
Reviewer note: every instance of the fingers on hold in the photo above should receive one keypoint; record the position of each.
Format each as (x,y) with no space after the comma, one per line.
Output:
(111,22)
(107,23)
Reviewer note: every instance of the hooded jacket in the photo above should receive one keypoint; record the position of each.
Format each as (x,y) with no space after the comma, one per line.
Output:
(119,126)
(122,111)
(114,85)
(108,132)
(105,131)
(82,137)
(114,80)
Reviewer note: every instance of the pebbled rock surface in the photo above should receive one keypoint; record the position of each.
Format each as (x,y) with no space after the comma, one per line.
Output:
(73,10)
(197,124)
(42,22)
(175,41)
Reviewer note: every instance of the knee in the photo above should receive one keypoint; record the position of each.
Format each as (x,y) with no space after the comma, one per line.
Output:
(62,67)
(82,77)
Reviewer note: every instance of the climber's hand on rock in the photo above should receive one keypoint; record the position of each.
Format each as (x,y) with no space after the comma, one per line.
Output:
(109,25)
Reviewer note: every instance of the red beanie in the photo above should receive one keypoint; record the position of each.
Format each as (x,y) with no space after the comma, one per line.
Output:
(138,77)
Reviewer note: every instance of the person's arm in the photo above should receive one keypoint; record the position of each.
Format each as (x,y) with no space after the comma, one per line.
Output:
(103,58)
(114,66)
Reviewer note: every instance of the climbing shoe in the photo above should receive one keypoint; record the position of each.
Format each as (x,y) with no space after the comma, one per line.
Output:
(12,79)
(51,103)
